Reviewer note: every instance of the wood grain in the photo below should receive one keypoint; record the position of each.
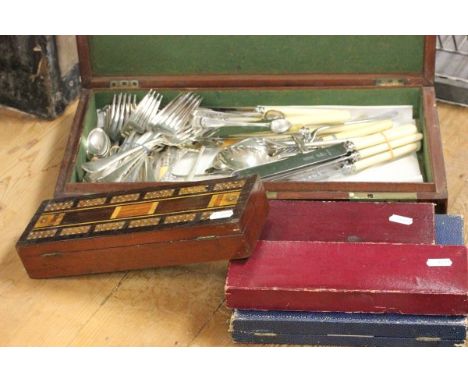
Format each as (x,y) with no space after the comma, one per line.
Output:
(429,60)
(181,305)
(143,229)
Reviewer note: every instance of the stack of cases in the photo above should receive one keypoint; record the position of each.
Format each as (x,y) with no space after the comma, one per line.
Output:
(347,274)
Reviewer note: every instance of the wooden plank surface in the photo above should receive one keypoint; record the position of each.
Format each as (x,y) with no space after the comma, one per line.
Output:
(172,306)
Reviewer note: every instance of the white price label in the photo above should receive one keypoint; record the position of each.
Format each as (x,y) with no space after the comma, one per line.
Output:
(439,262)
(401,219)
(221,214)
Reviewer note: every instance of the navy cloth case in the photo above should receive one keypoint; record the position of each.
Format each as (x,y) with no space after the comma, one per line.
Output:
(304,339)
(346,329)
(356,329)
(449,229)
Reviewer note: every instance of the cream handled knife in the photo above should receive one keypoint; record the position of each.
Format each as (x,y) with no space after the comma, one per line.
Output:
(386,156)
(347,165)
(360,157)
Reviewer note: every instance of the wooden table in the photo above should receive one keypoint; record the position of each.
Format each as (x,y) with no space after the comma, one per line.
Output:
(181,305)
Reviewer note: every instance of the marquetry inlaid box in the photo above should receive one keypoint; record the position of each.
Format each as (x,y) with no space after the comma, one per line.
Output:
(144,228)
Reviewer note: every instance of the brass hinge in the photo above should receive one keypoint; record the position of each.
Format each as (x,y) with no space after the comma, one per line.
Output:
(209,237)
(124,84)
(390,82)
(383,196)
(51,254)
(272,195)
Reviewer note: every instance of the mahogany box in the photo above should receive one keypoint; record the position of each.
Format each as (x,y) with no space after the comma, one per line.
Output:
(144,228)
(254,70)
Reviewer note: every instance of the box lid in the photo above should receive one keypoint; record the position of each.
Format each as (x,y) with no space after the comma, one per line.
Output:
(210,209)
(225,61)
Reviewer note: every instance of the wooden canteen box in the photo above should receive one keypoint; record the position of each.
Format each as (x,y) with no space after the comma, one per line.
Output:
(252,70)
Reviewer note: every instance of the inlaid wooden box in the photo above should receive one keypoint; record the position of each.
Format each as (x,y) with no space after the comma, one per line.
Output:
(251,70)
(144,228)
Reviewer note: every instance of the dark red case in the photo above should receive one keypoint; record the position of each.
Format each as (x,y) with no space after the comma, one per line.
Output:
(349,222)
(351,277)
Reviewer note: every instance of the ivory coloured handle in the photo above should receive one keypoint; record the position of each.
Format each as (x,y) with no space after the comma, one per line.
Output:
(338,128)
(370,128)
(349,127)
(373,150)
(386,156)
(384,136)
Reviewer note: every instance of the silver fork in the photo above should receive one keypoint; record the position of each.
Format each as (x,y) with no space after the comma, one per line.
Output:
(145,111)
(173,128)
(173,120)
(164,114)
(121,109)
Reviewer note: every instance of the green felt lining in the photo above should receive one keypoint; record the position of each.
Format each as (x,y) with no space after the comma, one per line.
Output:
(89,123)
(196,55)
(424,154)
(251,97)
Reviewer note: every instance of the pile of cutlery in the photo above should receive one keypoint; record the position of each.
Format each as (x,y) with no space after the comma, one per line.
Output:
(146,141)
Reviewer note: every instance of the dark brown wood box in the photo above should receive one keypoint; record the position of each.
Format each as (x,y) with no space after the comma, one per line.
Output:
(249,70)
(144,228)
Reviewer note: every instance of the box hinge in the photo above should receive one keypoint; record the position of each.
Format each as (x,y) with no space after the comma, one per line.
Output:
(124,84)
(383,196)
(209,237)
(51,254)
(272,195)
(390,82)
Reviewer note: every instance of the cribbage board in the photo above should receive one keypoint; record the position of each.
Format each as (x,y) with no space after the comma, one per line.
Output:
(144,228)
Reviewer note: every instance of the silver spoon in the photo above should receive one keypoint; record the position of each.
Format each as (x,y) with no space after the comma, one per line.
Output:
(249,152)
(115,174)
(98,143)
(146,142)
